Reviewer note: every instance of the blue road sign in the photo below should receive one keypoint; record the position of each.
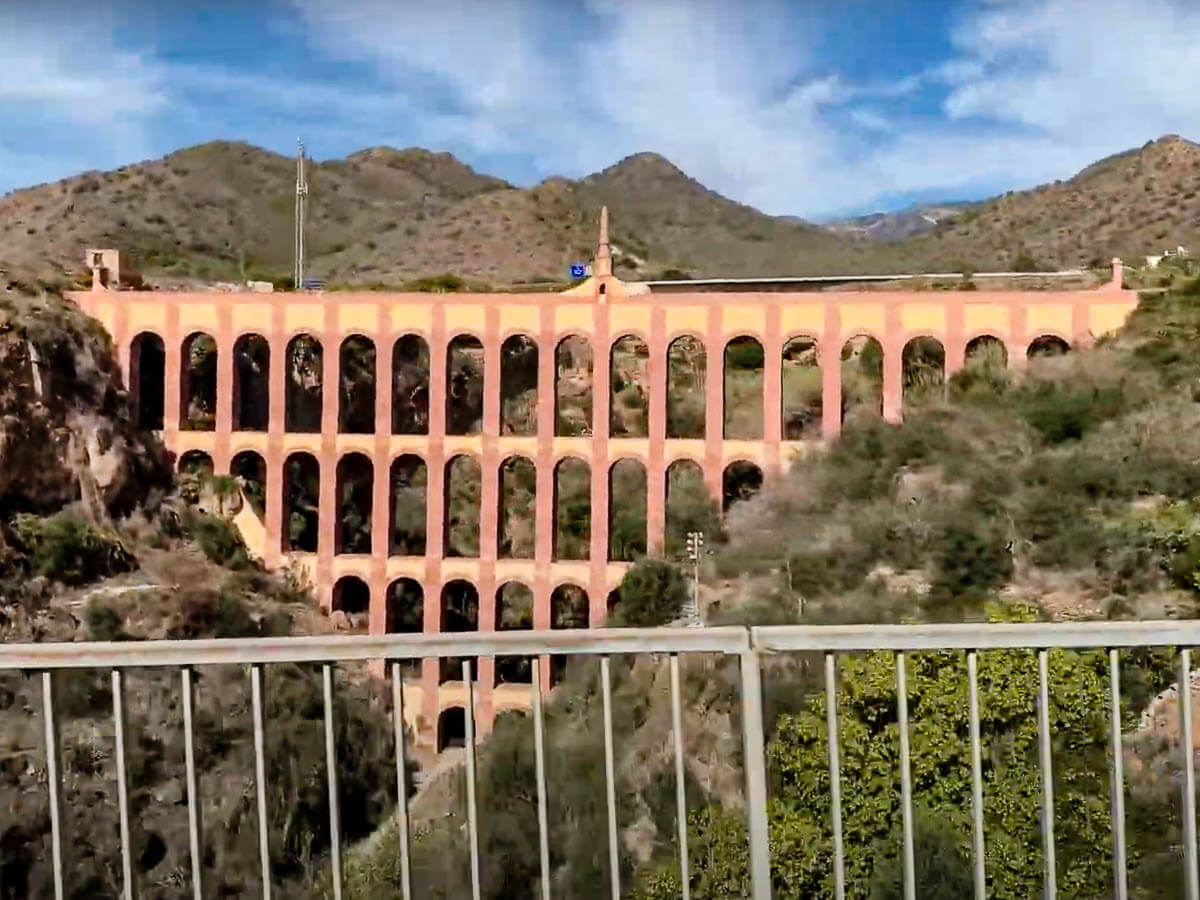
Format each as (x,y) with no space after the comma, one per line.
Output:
(578,270)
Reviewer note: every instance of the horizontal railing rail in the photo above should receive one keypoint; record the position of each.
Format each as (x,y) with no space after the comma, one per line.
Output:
(749,644)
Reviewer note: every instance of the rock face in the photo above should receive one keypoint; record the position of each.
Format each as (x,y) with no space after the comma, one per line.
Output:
(65,433)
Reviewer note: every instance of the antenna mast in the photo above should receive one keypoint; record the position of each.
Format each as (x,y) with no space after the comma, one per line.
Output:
(301,202)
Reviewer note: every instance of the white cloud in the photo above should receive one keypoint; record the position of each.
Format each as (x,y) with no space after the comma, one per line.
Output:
(70,98)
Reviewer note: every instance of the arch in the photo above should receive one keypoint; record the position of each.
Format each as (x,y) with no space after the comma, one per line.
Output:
(196,463)
(626,510)
(464,385)
(301,500)
(451,728)
(405,614)
(568,609)
(801,389)
(408,498)
(687,378)
(410,385)
(986,350)
(862,377)
(923,363)
(689,506)
(251,383)
(573,387)
(356,385)
(352,597)
(741,480)
(355,489)
(459,612)
(517,515)
(198,383)
(519,385)
(572,508)
(303,384)
(629,388)
(462,499)
(1047,345)
(743,389)
(250,470)
(514,612)
(147,380)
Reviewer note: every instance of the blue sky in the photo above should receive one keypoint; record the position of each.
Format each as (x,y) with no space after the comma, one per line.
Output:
(818,108)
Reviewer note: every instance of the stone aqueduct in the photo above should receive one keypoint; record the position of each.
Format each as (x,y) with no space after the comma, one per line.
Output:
(601,310)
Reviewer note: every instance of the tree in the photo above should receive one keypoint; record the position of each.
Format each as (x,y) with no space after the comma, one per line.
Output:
(652,593)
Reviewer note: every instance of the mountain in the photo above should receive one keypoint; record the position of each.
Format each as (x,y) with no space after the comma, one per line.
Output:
(223,211)
(914,220)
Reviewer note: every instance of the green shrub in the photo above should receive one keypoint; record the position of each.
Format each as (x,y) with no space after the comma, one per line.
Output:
(67,548)
(103,622)
(652,593)
(1061,412)
(219,539)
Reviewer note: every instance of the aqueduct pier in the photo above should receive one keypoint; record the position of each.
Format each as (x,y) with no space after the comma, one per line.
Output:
(600,311)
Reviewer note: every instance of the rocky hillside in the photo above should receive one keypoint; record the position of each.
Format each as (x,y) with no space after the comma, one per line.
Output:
(97,542)
(223,211)
(1127,205)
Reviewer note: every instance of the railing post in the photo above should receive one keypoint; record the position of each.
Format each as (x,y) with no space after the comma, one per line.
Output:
(756,780)
(53,780)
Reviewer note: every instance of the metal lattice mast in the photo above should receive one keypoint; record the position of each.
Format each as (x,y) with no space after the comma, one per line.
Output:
(301,202)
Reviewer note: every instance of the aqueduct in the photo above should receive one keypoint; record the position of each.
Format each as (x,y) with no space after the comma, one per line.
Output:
(277,404)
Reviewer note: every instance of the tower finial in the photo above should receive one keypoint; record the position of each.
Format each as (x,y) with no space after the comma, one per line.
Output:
(602,264)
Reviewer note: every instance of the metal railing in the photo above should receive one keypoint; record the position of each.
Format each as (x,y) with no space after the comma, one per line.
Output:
(746,643)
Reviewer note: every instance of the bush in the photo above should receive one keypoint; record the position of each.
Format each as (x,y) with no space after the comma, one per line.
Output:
(219,539)
(69,549)
(969,563)
(1059,412)
(103,622)
(652,593)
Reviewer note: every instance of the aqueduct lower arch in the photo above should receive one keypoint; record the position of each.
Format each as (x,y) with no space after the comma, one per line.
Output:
(397,444)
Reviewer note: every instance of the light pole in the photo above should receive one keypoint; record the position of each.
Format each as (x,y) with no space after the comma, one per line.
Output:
(695,547)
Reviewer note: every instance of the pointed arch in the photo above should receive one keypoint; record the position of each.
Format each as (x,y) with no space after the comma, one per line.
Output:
(517,515)
(572,508)
(408,498)
(147,380)
(356,385)
(862,377)
(923,362)
(573,387)
(464,385)
(301,500)
(687,378)
(251,383)
(801,389)
(198,383)
(743,389)
(629,388)
(410,385)
(519,386)
(250,470)
(303,385)
(462,499)
(626,510)
(355,489)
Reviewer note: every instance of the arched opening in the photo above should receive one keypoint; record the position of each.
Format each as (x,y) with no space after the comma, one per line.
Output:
(303,384)
(629,394)
(355,478)
(612,602)
(460,612)
(251,383)
(572,509)
(250,470)
(352,597)
(626,510)
(197,464)
(410,385)
(743,387)
(862,377)
(301,496)
(518,509)
(518,386)
(741,481)
(924,366)
(514,611)
(801,389)
(461,514)
(689,507)
(452,728)
(987,352)
(408,512)
(405,614)
(687,374)
(147,380)
(356,386)
(573,387)
(464,386)
(198,384)
(568,609)
(1047,345)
